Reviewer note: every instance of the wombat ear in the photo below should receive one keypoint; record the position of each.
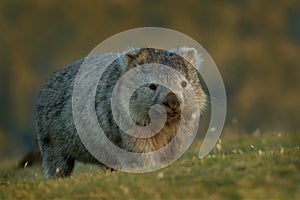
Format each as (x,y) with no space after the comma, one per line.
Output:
(130,56)
(191,55)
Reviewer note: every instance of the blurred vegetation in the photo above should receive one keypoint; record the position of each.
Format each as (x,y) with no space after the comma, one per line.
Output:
(255,44)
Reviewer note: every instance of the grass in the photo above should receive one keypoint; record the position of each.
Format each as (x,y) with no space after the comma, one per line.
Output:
(240,167)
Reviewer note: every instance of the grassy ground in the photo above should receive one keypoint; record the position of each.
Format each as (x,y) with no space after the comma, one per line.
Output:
(252,167)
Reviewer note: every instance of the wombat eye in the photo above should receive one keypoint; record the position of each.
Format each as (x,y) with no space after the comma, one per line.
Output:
(152,86)
(183,84)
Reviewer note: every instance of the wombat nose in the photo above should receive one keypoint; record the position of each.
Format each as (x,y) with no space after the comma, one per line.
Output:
(171,102)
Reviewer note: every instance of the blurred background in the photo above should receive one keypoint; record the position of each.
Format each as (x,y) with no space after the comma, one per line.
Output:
(255,44)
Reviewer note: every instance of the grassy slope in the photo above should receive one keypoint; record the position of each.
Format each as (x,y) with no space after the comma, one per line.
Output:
(266,170)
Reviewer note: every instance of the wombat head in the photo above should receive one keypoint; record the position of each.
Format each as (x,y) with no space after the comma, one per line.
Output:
(185,61)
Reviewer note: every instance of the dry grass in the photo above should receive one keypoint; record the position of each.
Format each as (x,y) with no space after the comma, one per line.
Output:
(252,167)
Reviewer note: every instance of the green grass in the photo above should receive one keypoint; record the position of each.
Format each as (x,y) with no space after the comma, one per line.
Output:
(241,167)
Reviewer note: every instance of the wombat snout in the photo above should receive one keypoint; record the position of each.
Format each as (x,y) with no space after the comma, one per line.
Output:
(171,104)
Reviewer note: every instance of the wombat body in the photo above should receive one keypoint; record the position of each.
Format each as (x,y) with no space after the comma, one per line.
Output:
(58,140)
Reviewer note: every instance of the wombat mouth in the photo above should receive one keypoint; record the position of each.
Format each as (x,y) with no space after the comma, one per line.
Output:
(173,114)
(142,124)
(170,116)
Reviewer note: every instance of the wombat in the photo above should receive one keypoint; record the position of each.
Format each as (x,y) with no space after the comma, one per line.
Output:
(58,140)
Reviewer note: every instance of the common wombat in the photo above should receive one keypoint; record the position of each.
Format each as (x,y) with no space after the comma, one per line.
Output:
(58,140)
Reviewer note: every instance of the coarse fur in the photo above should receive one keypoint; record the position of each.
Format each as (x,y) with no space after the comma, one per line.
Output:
(59,143)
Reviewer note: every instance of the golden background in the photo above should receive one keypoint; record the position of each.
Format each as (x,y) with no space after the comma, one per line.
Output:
(255,44)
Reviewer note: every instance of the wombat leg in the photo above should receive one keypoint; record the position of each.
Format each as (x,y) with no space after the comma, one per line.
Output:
(56,166)
(33,157)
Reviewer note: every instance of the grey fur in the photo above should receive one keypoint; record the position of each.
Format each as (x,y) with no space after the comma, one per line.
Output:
(58,140)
